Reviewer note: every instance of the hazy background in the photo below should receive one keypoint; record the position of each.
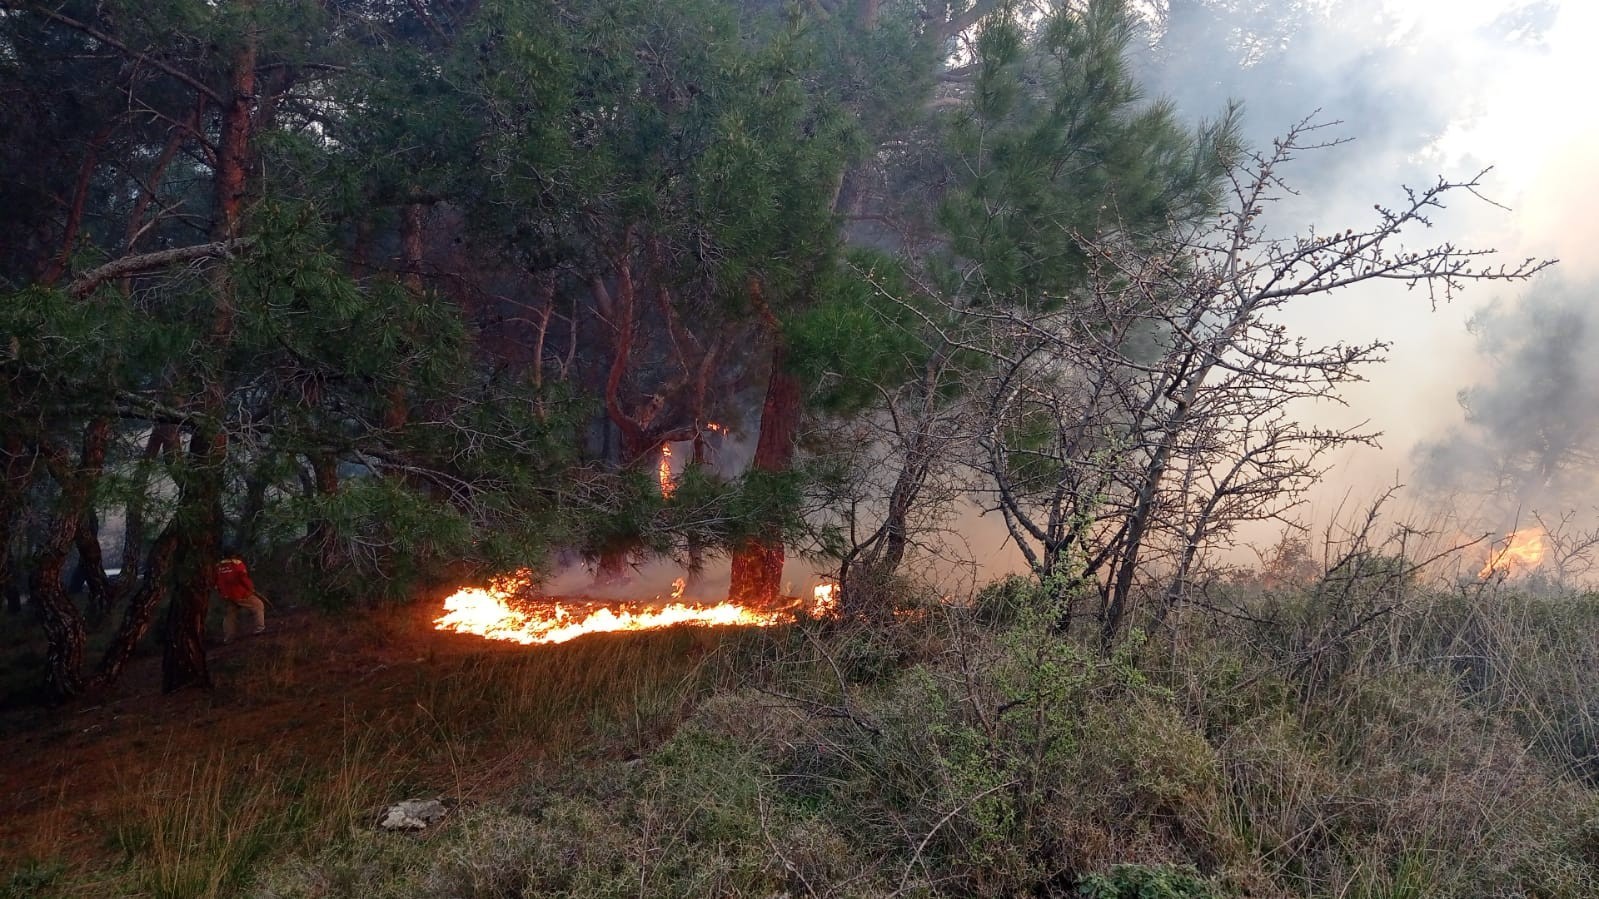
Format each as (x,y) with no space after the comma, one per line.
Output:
(1488,406)
(1426,88)
(1423,88)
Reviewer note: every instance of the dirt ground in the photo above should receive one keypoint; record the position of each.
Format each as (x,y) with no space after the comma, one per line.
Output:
(67,769)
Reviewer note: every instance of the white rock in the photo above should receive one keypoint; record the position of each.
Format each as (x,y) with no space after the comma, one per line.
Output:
(412,814)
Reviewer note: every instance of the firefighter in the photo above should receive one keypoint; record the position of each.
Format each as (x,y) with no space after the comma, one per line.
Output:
(233,582)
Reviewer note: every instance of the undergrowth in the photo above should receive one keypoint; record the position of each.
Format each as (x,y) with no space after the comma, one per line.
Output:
(964,753)
(182,821)
(1443,750)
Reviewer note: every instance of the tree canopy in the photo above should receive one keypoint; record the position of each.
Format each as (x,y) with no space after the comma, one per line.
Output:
(387,294)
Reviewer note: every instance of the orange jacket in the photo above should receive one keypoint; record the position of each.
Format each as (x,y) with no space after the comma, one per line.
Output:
(233,580)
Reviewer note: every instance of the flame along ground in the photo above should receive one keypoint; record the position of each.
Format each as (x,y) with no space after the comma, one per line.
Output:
(507,610)
(1520,552)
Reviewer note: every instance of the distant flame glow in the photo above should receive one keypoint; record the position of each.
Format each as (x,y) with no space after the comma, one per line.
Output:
(506,610)
(1521,552)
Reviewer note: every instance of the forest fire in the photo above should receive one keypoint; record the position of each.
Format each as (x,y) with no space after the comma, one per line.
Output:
(509,610)
(668,485)
(1521,552)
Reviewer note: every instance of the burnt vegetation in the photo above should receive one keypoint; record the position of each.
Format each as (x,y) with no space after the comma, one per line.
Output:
(391,297)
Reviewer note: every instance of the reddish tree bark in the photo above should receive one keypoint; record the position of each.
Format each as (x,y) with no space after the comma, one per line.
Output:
(200,503)
(80,198)
(757,575)
(140,610)
(176,138)
(63,622)
(675,410)
(91,562)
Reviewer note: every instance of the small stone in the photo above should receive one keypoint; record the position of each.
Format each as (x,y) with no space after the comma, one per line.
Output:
(413,814)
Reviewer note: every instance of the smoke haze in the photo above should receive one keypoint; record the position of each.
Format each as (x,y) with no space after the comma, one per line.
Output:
(1491,398)
(1532,416)
(1492,395)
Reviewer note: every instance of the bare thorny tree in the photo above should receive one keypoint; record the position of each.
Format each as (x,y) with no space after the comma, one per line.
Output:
(1127,428)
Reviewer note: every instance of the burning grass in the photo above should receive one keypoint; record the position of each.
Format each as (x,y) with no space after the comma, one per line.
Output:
(1520,552)
(509,609)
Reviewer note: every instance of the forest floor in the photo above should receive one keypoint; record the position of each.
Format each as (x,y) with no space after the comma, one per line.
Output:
(140,792)
(1446,751)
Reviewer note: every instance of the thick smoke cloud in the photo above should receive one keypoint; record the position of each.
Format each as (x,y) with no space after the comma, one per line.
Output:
(1395,83)
(1532,412)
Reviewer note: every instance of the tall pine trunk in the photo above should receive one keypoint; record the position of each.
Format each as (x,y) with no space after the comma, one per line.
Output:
(200,502)
(91,564)
(63,622)
(199,519)
(757,575)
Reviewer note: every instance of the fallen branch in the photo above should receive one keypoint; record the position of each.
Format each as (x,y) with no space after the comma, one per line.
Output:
(85,284)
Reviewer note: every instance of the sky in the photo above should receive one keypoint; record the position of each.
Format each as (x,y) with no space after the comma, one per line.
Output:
(1535,120)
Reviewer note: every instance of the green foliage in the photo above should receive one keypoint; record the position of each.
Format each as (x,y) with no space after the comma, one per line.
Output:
(1057,146)
(68,356)
(1141,882)
(32,879)
(855,336)
(391,537)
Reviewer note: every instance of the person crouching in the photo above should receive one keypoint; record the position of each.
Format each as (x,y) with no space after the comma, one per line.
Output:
(233,582)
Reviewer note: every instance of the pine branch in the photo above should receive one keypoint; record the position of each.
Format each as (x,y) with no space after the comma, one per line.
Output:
(978,11)
(144,262)
(117,45)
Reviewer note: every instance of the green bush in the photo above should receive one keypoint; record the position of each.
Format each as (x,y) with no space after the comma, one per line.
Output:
(1140,882)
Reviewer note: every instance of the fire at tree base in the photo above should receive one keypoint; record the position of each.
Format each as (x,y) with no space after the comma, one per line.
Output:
(509,609)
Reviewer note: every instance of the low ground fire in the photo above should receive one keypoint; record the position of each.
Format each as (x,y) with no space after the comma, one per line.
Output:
(1519,552)
(510,609)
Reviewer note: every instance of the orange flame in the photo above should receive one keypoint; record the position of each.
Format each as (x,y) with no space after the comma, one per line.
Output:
(1522,551)
(668,486)
(505,610)
(824,600)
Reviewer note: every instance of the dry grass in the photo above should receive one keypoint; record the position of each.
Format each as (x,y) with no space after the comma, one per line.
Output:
(941,756)
(1443,750)
(309,733)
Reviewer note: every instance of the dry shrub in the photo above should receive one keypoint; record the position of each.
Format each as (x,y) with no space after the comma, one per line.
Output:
(1409,757)
(972,754)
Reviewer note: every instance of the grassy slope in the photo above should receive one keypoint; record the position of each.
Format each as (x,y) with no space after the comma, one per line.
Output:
(1444,749)
(311,730)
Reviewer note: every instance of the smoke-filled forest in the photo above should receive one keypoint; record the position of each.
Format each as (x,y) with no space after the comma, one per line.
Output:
(859,448)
